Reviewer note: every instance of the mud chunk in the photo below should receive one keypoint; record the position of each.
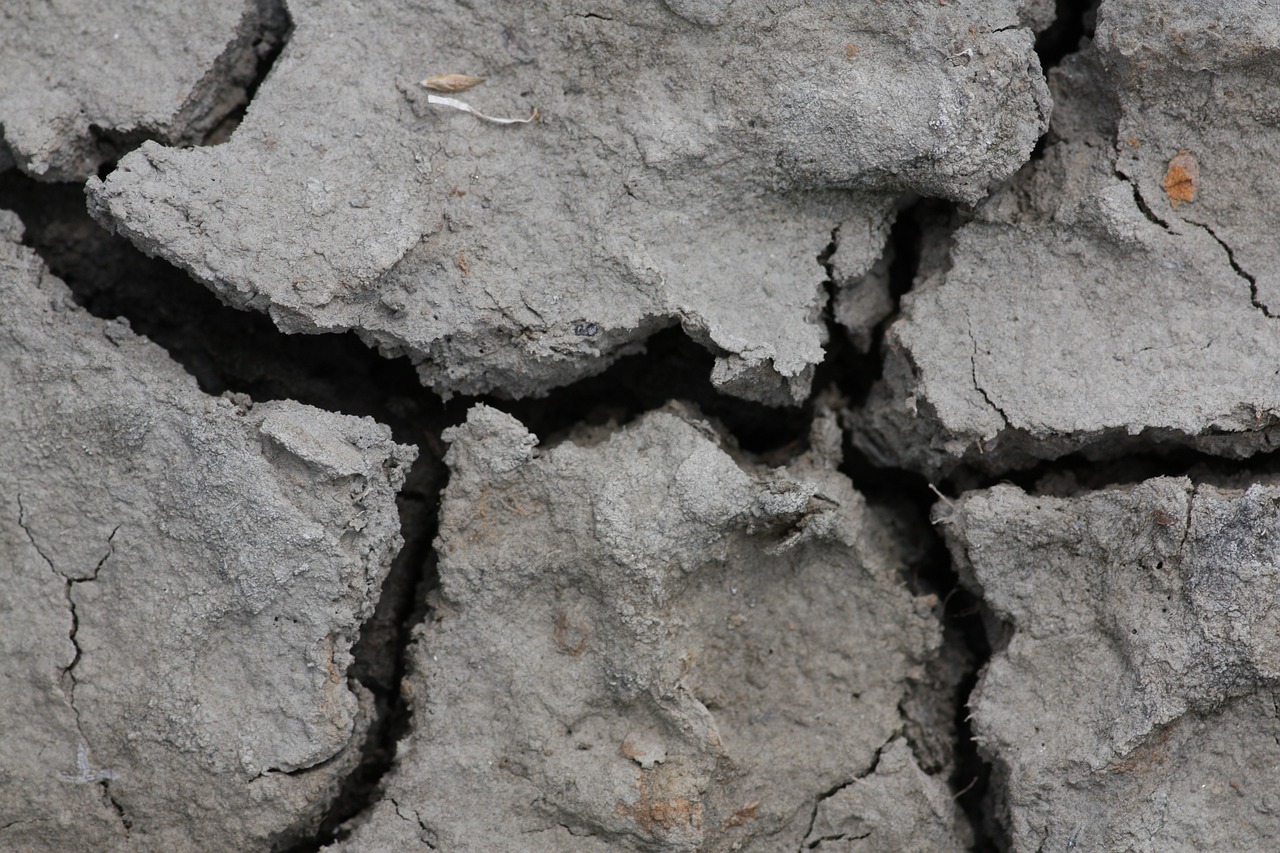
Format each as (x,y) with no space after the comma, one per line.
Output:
(1199,78)
(1077,312)
(643,643)
(84,83)
(1133,702)
(181,579)
(689,165)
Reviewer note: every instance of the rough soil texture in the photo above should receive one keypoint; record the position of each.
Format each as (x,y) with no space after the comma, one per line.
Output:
(607,526)
(1099,303)
(1133,705)
(727,648)
(185,577)
(83,83)
(689,165)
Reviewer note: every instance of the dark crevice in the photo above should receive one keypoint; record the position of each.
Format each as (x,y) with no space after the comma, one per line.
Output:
(1077,473)
(273,34)
(918,239)
(1073,24)
(1074,20)
(964,620)
(856,373)
(219,101)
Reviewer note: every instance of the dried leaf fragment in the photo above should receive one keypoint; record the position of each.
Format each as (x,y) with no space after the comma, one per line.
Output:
(467,108)
(451,82)
(1182,180)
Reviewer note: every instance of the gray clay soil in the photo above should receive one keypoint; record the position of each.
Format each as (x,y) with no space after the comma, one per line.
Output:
(792,425)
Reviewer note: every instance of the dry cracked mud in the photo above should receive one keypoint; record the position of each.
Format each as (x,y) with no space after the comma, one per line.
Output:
(794,425)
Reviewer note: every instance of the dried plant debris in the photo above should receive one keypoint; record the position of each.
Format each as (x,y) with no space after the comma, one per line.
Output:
(1133,702)
(83,83)
(183,577)
(454,103)
(691,161)
(452,82)
(642,643)
(1098,303)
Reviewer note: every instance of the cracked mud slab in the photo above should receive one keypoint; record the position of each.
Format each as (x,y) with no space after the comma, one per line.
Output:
(690,162)
(1134,703)
(83,82)
(183,579)
(1199,138)
(1098,303)
(643,644)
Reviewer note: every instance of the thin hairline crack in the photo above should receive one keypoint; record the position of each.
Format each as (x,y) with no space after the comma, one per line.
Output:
(85,773)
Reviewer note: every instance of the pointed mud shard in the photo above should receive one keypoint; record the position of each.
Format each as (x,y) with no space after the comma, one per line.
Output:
(1080,311)
(181,580)
(644,643)
(1132,705)
(689,162)
(83,85)
(895,808)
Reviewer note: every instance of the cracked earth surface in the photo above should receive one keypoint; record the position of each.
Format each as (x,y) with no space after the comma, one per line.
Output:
(838,427)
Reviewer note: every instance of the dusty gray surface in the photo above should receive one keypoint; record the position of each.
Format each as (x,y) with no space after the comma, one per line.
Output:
(689,166)
(643,644)
(1134,704)
(84,82)
(1083,310)
(183,580)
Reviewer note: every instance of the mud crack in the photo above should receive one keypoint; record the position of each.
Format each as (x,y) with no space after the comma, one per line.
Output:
(85,772)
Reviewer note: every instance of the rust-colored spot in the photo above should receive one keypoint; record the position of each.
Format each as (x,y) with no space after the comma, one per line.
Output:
(653,814)
(1163,517)
(570,636)
(1182,180)
(742,815)
(668,815)
(851,50)
(1133,141)
(462,265)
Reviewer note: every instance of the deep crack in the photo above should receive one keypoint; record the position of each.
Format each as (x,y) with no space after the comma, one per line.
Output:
(1073,21)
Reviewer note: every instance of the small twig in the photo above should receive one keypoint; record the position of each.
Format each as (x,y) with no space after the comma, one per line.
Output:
(467,108)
